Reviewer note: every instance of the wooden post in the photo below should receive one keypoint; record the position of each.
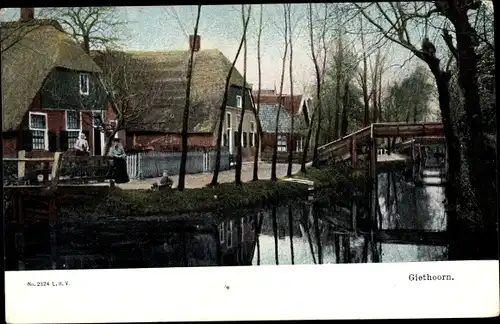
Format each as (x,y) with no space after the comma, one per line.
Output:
(373,174)
(56,168)
(21,164)
(353,151)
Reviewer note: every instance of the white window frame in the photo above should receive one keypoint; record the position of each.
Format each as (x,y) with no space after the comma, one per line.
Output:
(229,127)
(300,144)
(239,101)
(46,130)
(76,130)
(282,147)
(229,233)
(113,123)
(252,132)
(84,77)
(222,232)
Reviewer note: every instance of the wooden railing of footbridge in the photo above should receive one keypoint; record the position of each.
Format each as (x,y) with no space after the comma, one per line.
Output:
(346,147)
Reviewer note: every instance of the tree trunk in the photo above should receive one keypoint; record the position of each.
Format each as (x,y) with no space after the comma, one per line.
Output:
(292,115)
(185,115)
(280,103)
(307,142)
(239,158)
(345,108)
(223,108)
(337,102)
(480,176)
(257,117)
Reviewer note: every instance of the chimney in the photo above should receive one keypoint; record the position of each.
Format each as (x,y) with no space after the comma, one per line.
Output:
(194,44)
(27,14)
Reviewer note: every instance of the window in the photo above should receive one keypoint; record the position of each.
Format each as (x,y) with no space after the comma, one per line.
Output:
(282,143)
(221,232)
(300,144)
(239,101)
(84,84)
(245,139)
(39,131)
(229,137)
(73,126)
(229,233)
(251,140)
(97,119)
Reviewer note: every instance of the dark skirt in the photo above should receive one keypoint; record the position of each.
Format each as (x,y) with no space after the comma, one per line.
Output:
(121,175)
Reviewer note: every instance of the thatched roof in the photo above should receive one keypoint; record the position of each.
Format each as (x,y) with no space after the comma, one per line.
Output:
(30,51)
(167,72)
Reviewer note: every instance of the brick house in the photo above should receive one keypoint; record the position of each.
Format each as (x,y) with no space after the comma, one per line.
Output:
(299,105)
(50,89)
(159,125)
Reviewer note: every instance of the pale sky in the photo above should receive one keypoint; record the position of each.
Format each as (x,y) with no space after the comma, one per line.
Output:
(167,27)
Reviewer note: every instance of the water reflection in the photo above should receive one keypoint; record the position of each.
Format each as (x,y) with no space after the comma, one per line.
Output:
(303,232)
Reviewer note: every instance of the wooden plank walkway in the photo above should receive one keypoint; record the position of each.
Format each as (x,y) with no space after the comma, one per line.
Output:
(346,147)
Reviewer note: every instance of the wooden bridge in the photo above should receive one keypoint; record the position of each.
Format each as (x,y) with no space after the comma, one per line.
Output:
(348,146)
(36,185)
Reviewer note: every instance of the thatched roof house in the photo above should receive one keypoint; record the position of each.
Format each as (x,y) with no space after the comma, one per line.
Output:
(163,78)
(30,51)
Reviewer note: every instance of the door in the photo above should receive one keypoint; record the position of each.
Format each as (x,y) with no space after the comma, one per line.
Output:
(98,140)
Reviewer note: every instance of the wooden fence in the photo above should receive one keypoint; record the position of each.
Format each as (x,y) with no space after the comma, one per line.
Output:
(282,157)
(152,164)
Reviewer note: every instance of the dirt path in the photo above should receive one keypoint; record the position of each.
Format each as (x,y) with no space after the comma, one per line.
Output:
(200,180)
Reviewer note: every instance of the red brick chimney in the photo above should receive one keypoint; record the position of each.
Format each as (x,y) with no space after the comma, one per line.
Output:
(194,43)
(27,14)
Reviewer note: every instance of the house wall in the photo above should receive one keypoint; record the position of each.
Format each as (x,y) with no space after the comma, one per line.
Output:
(235,90)
(61,90)
(269,138)
(248,150)
(56,124)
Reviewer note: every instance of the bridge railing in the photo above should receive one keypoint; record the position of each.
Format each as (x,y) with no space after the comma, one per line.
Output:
(49,171)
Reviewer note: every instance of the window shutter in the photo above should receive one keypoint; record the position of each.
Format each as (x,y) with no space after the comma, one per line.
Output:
(27,140)
(52,142)
(63,140)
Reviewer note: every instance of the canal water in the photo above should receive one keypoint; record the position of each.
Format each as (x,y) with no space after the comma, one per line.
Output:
(409,218)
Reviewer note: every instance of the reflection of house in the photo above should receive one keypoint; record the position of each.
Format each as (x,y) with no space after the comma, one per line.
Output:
(159,126)
(237,239)
(50,89)
(299,105)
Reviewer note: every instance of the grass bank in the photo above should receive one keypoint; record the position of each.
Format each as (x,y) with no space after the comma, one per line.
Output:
(334,176)
(221,198)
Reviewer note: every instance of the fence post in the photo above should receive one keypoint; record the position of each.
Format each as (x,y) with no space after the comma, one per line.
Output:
(139,165)
(21,164)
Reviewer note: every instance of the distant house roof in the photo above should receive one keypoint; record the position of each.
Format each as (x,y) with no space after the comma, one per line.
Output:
(267,115)
(168,70)
(30,51)
(290,103)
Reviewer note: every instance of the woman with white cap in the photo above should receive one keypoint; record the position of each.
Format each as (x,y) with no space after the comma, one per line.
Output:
(81,145)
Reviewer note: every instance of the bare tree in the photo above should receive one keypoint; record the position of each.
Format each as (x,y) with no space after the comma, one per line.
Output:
(363,75)
(92,27)
(320,73)
(244,91)
(292,101)
(398,33)
(280,99)
(377,69)
(133,90)
(257,116)
(223,106)
(185,116)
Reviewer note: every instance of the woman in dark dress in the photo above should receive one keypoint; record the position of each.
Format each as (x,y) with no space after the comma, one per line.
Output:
(120,164)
